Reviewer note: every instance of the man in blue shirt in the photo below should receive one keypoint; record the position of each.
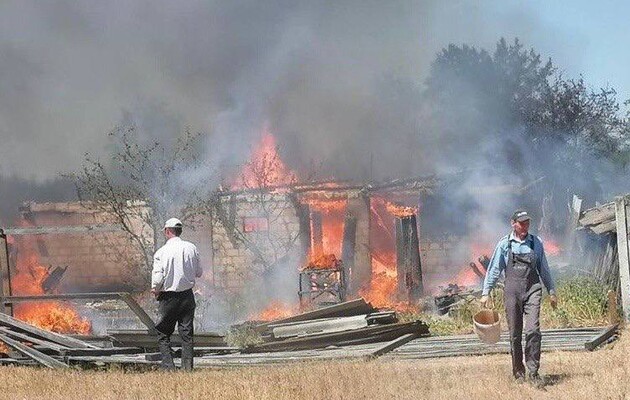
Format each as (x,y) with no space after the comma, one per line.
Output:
(521,257)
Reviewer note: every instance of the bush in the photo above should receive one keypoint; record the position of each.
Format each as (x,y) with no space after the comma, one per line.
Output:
(582,302)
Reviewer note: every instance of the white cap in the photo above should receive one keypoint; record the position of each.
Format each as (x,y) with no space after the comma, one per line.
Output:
(173,223)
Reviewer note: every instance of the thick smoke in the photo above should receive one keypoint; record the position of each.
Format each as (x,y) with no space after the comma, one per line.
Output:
(338,83)
(319,73)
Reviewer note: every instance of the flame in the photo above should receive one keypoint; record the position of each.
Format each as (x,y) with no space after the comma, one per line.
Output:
(276,310)
(28,279)
(333,215)
(382,291)
(327,206)
(552,247)
(265,168)
(465,276)
(400,211)
(325,261)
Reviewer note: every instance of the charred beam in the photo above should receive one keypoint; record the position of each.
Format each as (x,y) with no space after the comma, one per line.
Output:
(52,280)
(317,233)
(476,270)
(408,265)
(348,245)
(361,271)
(5,274)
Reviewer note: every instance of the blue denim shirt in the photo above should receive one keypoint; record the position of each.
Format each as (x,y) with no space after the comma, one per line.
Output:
(499,260)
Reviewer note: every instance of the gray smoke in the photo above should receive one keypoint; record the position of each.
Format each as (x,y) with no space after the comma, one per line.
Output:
(338,83)
(319,73)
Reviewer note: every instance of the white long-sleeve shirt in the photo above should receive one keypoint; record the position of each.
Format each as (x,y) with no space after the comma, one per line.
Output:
(175,266)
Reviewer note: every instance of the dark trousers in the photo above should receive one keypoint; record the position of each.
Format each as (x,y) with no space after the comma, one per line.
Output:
(524,309)
(176,307)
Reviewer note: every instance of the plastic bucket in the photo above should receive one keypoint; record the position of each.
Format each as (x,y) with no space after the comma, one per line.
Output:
(487,325)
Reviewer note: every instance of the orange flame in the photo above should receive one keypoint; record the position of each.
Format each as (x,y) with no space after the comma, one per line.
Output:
(552,247)
(276,310)
(265,168)
(28,280)
(401,211)
(325,261)
(333,214)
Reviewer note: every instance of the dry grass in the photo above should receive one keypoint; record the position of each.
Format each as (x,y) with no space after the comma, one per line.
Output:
(599,375)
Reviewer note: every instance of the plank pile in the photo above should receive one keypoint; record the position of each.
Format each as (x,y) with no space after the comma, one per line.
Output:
(599,219)
(575,339)
(350,323)
(29,345)
(351,330)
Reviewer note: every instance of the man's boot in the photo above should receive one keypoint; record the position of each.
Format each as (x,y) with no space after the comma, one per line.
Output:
(536,380)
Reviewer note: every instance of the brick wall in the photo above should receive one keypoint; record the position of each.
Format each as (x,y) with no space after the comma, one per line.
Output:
(268,222)
(442,257)
(96,261)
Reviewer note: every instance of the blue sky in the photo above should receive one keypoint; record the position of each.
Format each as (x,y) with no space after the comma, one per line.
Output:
(591,38)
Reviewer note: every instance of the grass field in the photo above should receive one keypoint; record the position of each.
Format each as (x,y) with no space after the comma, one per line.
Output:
(571,375)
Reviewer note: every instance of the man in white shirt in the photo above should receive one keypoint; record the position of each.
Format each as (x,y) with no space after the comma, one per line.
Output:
(175,267)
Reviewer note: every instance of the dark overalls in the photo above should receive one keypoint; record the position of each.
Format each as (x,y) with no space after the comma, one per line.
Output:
(176,308)
(522,297)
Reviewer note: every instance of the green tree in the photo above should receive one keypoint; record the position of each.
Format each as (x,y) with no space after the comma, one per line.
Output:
(513,111)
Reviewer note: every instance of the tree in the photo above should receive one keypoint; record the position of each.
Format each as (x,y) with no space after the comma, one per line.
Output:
(513,112)
(144,183)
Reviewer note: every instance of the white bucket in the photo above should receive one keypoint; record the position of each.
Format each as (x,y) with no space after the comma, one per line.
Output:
(487,325)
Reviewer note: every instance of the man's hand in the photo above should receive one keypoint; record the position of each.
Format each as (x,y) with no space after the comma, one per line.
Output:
(485,301)
(553,299)
(155,292)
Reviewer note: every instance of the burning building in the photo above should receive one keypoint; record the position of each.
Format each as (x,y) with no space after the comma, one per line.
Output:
(335,240)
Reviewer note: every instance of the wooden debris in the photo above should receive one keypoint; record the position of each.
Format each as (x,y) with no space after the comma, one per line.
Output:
(36,355)
(142,338)
(349,308)
(370,334)
(600,338)
(595,216)
(63,340)
(394,344)
(319,326)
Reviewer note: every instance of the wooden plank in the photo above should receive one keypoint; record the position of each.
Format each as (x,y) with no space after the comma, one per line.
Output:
(5,274)
(319,326)
(573,223)
(126,297)
(36,355)
(64,296)
(139,311)
(41,333)
(373,333)
(349,308)
(102,352)
(70,229)
(597,215)
(26,338)
(142,338)
(622,253)
(394,344)
(197,352)
(608,226)
(603,336)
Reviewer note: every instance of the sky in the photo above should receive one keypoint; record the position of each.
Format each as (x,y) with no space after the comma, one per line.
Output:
(72,71)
